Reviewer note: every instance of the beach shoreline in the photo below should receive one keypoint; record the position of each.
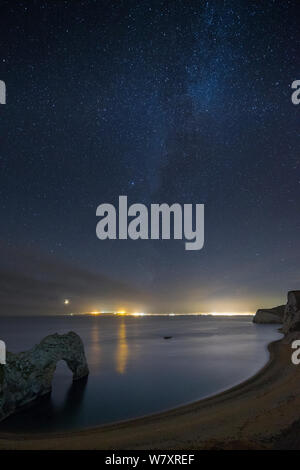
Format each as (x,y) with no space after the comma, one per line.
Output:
(253,414)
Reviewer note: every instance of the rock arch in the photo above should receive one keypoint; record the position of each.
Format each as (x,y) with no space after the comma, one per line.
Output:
(28,375)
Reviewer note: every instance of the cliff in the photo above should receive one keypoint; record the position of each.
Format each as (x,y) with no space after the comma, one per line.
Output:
(28,375)
(288,315)
(291,318)
(269,315)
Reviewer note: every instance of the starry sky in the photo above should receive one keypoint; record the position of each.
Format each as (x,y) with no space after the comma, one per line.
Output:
(186,101)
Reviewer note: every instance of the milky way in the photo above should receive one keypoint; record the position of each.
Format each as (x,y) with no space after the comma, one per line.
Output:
(186,101)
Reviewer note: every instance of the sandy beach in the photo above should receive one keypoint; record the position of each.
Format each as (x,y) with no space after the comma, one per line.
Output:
(260,413)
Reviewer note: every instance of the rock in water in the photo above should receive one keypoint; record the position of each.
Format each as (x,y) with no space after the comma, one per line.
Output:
(28,375)
(269,315)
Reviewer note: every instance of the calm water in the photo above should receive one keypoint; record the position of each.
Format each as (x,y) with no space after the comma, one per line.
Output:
(135,371)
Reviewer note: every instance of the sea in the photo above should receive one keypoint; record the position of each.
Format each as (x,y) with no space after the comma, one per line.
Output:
(134,369)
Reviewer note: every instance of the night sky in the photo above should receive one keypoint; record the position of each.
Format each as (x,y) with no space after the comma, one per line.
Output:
(186,101)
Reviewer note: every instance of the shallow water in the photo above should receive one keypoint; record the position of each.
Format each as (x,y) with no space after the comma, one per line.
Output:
(135,371)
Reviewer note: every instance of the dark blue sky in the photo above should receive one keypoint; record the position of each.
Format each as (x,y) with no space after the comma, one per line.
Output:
(185,101)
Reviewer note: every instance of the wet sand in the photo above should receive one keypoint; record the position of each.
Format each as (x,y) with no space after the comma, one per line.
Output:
(260,413)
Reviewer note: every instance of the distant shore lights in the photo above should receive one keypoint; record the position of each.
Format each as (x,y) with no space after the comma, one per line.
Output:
(172,314)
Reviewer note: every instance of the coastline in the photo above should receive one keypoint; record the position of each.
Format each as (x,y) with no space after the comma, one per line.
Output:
(253,414)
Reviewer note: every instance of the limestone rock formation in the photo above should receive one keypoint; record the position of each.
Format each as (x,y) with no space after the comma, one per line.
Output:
(269,315)
(291,319)
(28,375)
(288,315)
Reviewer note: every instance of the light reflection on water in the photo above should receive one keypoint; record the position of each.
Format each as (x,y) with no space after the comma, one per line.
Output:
(135,371)
(122,348)
(96,342)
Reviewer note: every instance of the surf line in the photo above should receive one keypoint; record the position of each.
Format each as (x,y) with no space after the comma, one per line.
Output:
(155,224)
